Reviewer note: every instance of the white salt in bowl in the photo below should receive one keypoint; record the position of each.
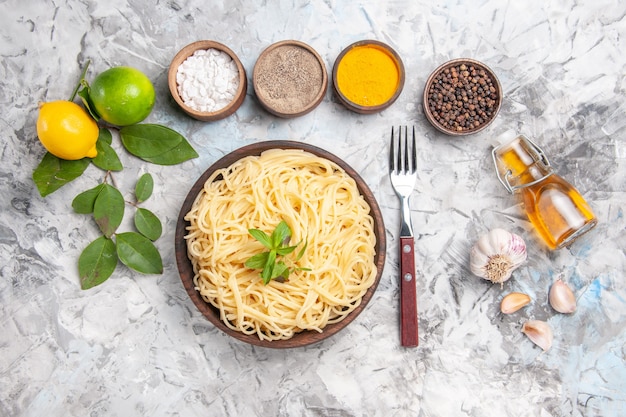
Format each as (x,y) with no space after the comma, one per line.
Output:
(198,88)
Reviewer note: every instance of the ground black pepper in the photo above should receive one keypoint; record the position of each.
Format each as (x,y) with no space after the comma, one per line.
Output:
(288,78)
(463,97)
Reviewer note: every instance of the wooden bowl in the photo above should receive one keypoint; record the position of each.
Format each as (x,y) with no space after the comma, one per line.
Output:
(222,113)
(367,109)
(276,79)
(436,116)
(185,267)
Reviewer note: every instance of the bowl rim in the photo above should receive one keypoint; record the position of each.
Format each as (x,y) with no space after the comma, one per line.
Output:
(320,94)
(369,109)
(185,269)
(185,53)
(436,72)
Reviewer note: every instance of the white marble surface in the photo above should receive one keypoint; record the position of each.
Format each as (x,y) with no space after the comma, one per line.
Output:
(136,346)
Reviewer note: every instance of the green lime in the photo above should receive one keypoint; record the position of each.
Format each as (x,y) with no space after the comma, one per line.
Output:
(122,96)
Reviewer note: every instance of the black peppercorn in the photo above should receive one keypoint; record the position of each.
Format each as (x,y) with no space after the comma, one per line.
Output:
(463,97)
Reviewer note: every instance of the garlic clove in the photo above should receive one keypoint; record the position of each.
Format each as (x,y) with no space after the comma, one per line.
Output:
(539,332)
(513,302)
(562,298)
(496,255)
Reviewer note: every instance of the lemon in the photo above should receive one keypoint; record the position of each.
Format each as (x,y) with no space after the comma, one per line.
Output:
(66,130)
(122,96)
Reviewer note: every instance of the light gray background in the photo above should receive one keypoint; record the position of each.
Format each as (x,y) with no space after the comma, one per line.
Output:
(136,346)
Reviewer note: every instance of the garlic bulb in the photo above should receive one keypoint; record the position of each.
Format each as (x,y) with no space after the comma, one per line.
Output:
(561,297)
(496,255)
(513,302)
(539,332)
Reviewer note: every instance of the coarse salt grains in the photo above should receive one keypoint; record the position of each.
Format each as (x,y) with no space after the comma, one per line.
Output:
(207,81)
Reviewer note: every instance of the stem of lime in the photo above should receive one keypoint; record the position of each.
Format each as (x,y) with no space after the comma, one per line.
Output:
(80,80)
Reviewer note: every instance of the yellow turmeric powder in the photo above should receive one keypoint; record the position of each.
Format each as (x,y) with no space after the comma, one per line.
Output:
(368,75)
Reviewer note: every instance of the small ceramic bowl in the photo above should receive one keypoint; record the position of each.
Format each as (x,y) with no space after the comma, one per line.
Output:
(207,116)
(382,58)
(461,97)
(289,79)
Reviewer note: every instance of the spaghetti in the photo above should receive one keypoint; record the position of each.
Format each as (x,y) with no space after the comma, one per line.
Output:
(321,204)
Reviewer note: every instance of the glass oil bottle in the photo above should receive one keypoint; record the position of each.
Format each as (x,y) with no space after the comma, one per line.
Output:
(558,212)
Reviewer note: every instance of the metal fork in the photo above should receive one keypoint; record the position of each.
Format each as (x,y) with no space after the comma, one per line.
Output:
(403,175)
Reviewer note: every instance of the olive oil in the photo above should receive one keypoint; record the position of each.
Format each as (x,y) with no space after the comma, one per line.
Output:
(558,212)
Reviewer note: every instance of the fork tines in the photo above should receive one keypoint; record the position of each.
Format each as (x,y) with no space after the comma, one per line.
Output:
(399,161)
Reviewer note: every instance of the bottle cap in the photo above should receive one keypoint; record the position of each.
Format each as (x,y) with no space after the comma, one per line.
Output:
(504,137)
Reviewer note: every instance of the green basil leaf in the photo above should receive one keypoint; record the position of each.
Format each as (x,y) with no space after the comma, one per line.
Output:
(143,189)
(281,234)
(84,202)
(180,153)
(301,253)
(257,261)
(106,158)
(262,237)
(149,140)
(139,253)
(285,250)
(97,262)
(148,224)
(266,274)
(52,173)
(277,243)
(280,270)
(108,209)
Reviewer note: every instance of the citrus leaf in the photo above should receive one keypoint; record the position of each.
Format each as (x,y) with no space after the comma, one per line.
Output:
(157,144)
(143,189)
(83,203)
(105,135)
(52,173)
(97,262)
(148,224)
(84,96)
(181,153)
(108,209)
(139,253)
(107,158)
(149,140)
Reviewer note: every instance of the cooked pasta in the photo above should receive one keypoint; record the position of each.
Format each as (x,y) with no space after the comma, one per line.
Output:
(321,204)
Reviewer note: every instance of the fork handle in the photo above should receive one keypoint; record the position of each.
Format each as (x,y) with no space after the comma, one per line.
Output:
(408,294)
